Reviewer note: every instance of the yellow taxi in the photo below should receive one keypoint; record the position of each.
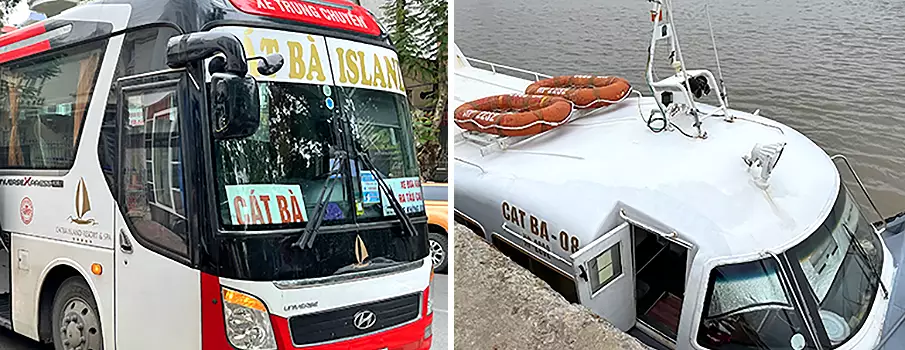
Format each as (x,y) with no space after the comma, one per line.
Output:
(436,199)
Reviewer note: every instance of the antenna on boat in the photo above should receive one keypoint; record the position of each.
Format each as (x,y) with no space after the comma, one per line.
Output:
(719,70)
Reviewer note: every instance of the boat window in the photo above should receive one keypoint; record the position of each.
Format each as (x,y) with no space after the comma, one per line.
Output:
(746,307)
(605,268)
(840,275)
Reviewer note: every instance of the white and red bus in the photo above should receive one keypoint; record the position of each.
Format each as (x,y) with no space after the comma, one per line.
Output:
(210,174)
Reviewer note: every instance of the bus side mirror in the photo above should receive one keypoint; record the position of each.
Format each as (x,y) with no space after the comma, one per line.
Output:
(188,48)
(234,103)
(234,106)
(270,64)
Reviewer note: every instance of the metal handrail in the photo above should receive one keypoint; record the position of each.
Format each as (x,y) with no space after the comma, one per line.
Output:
(866,194)
(892,331)
(495,66)
(670,236)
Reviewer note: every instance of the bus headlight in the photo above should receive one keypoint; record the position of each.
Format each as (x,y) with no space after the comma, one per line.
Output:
(430,295)
(247,322)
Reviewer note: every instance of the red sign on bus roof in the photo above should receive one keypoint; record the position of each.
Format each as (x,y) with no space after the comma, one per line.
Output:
(329,13)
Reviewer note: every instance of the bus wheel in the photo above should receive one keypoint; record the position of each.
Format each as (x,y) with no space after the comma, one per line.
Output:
(75,320)
(439,253)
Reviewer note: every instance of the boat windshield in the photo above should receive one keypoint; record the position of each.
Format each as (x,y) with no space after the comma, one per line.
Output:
(747,304)
(837,261)
(747,307)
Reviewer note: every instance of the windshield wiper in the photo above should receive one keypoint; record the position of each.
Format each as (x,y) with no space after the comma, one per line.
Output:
(311,229)
(867,260)
(397,207)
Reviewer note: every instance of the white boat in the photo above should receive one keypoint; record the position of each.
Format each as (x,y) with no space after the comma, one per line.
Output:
(724,229)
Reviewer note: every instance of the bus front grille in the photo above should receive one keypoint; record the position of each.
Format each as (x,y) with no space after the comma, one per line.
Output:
(339,324)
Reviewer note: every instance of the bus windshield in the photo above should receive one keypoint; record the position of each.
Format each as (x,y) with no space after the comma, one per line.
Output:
(331,95)
(332,102)
(838,268)
(274,177)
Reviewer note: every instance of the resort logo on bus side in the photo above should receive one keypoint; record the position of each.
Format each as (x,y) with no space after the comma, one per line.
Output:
(315,59)
(82,205)
(80,217)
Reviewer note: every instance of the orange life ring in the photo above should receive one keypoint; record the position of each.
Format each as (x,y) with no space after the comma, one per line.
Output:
(586,91)
(513,115)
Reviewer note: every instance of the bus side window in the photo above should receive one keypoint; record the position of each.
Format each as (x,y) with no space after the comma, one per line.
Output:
(45,100)
(152,168)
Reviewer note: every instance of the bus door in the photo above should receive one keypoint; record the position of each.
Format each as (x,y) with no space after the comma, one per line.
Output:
(605,277)
(156,287)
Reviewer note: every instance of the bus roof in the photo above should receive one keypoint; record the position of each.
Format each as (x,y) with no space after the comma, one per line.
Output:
(579,175)
(339,14)
(335,18)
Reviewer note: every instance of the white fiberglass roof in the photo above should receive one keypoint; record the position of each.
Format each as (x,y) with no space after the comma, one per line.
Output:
(699,188)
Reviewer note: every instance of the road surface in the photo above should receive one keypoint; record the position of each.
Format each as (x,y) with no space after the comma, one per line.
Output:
(11,341)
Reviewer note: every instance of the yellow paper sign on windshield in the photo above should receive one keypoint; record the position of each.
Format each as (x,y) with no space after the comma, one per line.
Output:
(304,55)
(365,66)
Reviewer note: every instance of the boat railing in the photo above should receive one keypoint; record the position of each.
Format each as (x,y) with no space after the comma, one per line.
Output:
(490,143)
(494,67)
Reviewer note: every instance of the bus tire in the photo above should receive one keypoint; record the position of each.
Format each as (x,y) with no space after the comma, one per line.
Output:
(75,322)
(438,250)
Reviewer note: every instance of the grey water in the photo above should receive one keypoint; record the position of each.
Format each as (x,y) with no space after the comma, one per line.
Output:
(833,70)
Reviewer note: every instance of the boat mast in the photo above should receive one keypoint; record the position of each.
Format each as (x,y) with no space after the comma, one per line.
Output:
(664,29)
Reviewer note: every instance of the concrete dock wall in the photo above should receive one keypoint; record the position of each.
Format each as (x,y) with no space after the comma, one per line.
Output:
(500,305)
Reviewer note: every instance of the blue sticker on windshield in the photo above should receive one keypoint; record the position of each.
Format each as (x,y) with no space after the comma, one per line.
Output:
(333,212)
(329,102)
(327,90)
(369,188)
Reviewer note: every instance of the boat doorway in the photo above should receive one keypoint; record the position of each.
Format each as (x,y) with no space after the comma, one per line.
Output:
(660,270)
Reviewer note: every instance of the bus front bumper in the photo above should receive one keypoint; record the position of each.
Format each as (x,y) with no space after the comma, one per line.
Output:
(413,336)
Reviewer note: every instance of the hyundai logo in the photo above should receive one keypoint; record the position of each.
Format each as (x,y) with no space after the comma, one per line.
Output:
(364,319)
